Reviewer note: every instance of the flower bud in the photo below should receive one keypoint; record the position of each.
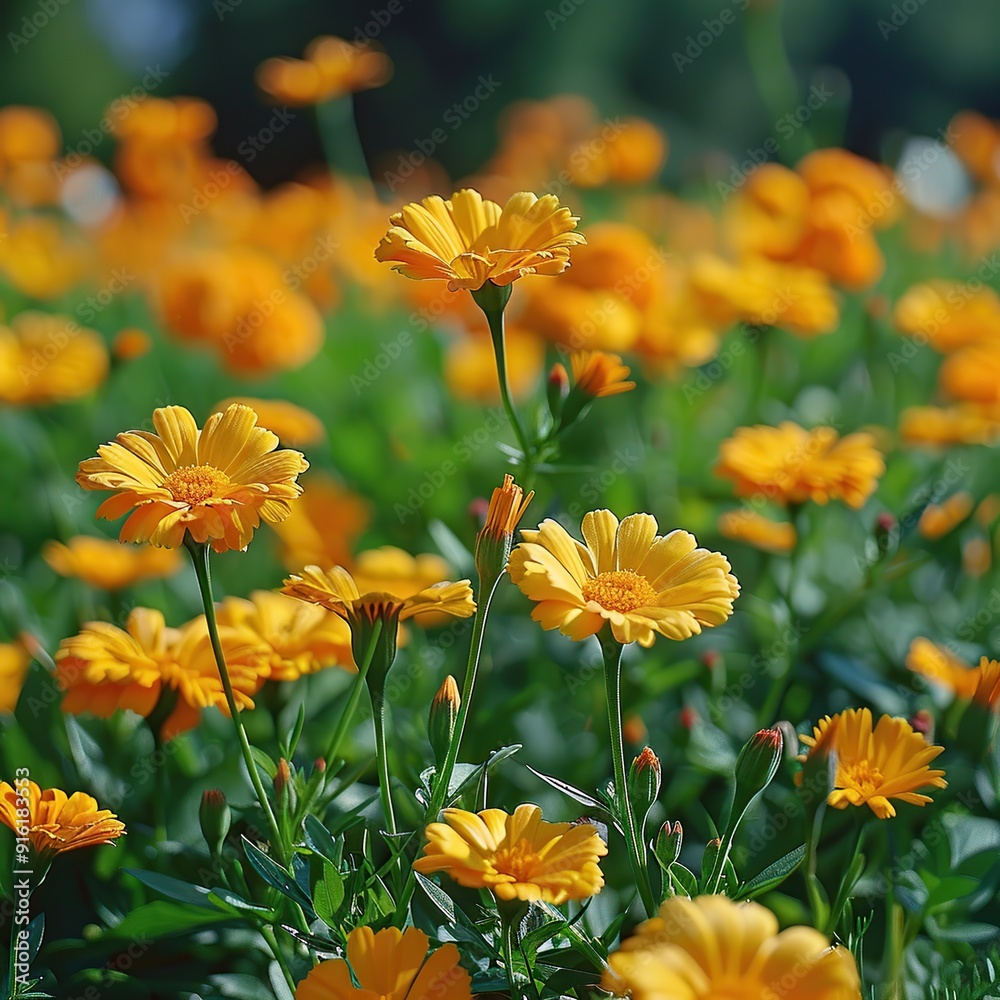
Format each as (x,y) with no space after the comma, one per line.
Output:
(215,818)
(441,721)
(643,783)
(319,765)
(758,760)
(667,846)
(886,535)
(711,858)
(557,390)
(282,776)
(493,543)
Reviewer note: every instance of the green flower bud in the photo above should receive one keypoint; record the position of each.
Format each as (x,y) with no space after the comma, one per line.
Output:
(215,818)
(667,846)
(441,721)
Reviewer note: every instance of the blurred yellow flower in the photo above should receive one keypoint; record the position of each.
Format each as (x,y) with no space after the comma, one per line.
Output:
(597,373)
(791,465)
(632,153)
(105,668)
(388,965)
(939,427)
(14,664)
(949,314)
(295,426)
(977,557)
(109,565)
(517,856)
(712,947)
(972,374)
(942,666)
(47,358)
(938,519)
(41,259)
(58,822)
(756,530)
(876,765)
(641,583)
(469,241)
(216,483)
(987,691)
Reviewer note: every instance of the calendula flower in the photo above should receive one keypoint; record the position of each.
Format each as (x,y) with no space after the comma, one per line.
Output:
(469,241)
(105,668)
(987,691)
(938,427)
(942,666)
(46,359)
(711,947)
(215,484)
(641,583)
(517,856)
(938,519)
(503,515)
(948,314)
(390,965)
(14,664)
(58,822)
(880,764)
(791,465)
(759,531)
(42,259)
(598,373)
(298,638)
(295,426)
(970,375)
(109,565)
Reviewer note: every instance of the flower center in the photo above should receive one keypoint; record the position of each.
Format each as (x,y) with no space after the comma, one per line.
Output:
(195,484)
(519,861)
(620,590)
(862,776)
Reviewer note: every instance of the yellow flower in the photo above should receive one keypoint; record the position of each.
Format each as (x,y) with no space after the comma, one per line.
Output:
(388,965)
(294,425)
(641,583)
(936,426)
(597,373)
(938,519)
(14,663)
(971,374)
(298,638)
(105,668)
(470,241)
(939,664)
(758,531)
(216,483)
(876,765)
(506,508)
(948,314)
(711,947)
(987,691)
(515,857)
(791,465)
(58,822)
(40,259)
(109,565)
(49,359)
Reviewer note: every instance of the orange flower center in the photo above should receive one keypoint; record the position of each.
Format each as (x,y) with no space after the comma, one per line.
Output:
(519,861)
(621,590)
(195,484)
(861,776)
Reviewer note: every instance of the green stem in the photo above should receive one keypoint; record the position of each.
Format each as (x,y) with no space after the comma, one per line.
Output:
(612,650)
(495,319)
(268,934)
(352,704)
(509,937)
(382,760)
(11,972)
(200,557)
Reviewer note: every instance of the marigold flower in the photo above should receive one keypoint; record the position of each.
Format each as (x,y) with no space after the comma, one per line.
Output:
(469,240)
(987,691)
(217,483)
(14,664)
(47,358)
(58,822)
(294,425)
(634,153)
(105,668)
(109,565)
(942,666)
(972,373)
(791,465)
(868,183)
(517,856)
(948,314)
(875,765)
(392,965)
(768,215)
(597,373)
(40,258)
(641,583)
(759,531)
(713,947)
(938,519)
(296,638)
(937,427)
(26,135)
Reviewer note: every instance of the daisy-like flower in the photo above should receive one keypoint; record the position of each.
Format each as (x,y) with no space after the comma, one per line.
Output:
(14,664)
(942,666)
(215,484)
(987,691)
(598,373)
(105,668)
(790,464)
(759,531)
(295,426)
(469,240)
(298,638)
(389,965)
(642,583)
(58,822)
(515,857)
(711,947)
(109,565)
(875,765)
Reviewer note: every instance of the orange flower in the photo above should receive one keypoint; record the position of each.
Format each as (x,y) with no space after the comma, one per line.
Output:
(940,665)
(633,153)
(296,427)
(216,484)
(938,519)
(506,508)
(758,531)
(948,314)
(14,664)
(40,258)
(109,565)
(597,373)
(972,374)
(936,427)
(57,822)
(987,691)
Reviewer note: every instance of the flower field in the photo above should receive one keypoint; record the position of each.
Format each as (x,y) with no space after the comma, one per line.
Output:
(544,580)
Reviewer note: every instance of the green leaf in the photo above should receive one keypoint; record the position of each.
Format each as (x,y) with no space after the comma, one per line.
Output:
(773,875)
(574,793)
(229,900)
(452,548)
(319,839)
(437,896)
(36,931)
(161,918)
(293,736)
(328,894)
(173,888)
(264,762)
(274,875)
(683,880)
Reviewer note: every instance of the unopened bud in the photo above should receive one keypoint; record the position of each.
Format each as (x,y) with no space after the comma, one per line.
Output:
(493,543)
(643,783)
(319,765)
(667,846)
(711,856)
(282,776)
(688,717)
(711,658)
(886,534)
(557,390)
(758,762)
(215,818)
(923,722)
(442,718)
